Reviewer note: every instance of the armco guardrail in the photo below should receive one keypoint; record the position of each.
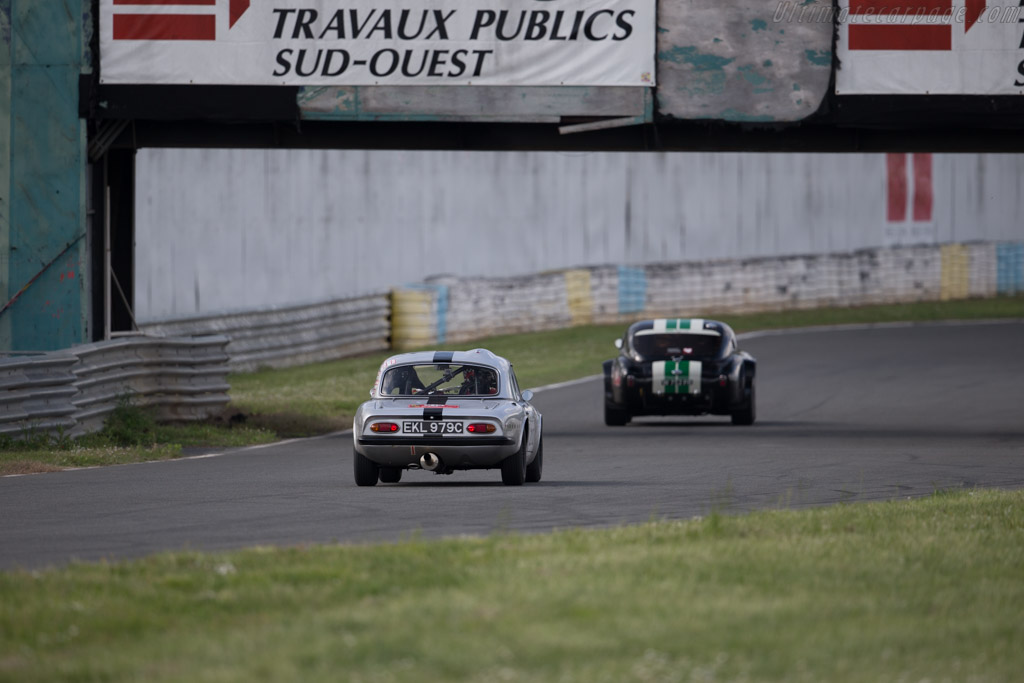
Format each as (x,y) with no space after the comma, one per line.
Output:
(36,393)
(183,379)
(457,310)
(293,336)
(71,392)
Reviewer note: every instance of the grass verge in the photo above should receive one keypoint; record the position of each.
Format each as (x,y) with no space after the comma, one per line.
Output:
(130,434)
(928,589)
(321,398)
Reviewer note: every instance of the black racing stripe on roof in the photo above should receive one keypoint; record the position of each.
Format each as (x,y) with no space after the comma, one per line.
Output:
(443,356)
(437,400)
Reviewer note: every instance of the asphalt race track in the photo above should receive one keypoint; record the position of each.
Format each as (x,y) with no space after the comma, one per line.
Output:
(843,416)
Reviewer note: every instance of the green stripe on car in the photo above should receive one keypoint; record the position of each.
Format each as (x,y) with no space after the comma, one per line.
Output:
(678,324)
(675,377)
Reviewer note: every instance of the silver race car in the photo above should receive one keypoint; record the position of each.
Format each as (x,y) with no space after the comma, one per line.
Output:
(443,411)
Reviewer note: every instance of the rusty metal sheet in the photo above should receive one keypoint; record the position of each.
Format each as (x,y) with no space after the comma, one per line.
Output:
(745,61)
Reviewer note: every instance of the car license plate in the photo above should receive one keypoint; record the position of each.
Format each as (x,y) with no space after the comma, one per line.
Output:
(431,427)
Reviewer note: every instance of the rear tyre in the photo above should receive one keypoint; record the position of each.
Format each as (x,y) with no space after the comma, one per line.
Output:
(390,475)
(366,471)
(615,417)
(534,469)
(747,413)
(513,468)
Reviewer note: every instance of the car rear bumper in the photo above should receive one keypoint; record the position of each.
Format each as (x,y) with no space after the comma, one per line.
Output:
(713,398)
(686,404)
(471,452)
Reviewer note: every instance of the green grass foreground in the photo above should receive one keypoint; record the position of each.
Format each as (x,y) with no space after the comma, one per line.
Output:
(321,398)
(908,590)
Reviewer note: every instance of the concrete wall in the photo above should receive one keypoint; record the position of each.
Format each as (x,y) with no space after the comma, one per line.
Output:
(42,176)
(222,231)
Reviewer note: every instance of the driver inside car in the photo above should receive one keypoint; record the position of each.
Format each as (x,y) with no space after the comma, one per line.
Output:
(404,380)
(478,381)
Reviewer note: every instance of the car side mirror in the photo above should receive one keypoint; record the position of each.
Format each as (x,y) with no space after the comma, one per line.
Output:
(371,393)
(618,343)
(527,395)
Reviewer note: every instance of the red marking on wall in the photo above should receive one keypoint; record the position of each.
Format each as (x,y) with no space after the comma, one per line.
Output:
(165,27)
(923,195)
(896,197)
(899,182)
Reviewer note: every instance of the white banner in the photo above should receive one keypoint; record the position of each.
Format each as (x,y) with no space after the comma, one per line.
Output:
(378,42)
(936,47)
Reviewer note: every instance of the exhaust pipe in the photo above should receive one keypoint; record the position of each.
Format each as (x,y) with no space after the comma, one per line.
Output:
(430,462)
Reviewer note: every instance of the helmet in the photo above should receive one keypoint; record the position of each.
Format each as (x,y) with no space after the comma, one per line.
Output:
(479,381)
(402,378)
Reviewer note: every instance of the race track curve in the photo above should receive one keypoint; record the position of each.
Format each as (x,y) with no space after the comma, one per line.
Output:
(847,415)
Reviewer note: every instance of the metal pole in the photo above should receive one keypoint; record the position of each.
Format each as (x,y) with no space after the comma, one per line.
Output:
(106,263)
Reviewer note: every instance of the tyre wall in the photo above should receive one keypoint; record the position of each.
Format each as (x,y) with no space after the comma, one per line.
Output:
(453,310)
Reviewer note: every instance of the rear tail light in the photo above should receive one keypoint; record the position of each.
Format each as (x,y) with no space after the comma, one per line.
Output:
(722,380)
(630,381)
(480,428)
(383,427)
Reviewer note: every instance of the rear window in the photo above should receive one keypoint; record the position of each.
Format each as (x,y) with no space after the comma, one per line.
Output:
(652,346)
(450,379)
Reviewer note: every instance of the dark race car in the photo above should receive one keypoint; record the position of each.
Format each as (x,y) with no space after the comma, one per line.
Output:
(679,367)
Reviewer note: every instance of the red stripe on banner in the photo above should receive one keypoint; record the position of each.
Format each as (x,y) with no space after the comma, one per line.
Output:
(888,37)
(165,2)
(896,197)
(975,8)
(936,8)
(165,27)
(923,194)
(235,11)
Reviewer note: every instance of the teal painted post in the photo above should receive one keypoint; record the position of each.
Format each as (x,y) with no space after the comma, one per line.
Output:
(47,290)
(5,169)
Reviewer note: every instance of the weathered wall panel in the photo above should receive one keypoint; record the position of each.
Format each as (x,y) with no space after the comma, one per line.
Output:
(46,219)
(227,231)
(5,166)
(47,210)
(746,60)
